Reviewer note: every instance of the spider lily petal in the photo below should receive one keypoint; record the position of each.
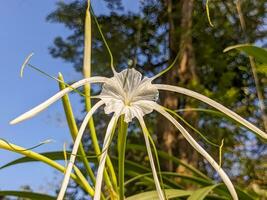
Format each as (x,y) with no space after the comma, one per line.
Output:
(75,149)
(31,113)
(194,144)
(103,157)
(214,104)
(154,172)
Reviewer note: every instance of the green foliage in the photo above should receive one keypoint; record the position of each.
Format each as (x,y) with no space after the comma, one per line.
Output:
(200,194)
(29,195)
(141,40)
(260,54)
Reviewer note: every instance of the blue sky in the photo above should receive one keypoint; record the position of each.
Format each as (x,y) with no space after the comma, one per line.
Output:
(24,30)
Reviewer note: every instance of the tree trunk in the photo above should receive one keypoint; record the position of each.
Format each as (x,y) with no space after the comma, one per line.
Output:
(183,73)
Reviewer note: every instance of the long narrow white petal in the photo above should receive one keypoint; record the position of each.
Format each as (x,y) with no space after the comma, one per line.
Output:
(75,149)
(154,172)
(57,96)
(194,144)
(103,157)
(214,104)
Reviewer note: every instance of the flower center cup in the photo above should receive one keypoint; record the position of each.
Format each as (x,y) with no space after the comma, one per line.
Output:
(128,93)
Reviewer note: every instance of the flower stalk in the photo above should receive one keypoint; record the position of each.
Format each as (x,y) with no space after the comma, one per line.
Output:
(87,90)
(73,128)
(122,136)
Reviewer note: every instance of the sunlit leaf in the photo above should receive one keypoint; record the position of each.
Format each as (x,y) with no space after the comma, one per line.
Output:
(152,195)
(201,193)
(24,194)
(260,54)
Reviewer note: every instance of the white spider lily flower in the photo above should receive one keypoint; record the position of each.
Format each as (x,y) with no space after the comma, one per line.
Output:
(128,94)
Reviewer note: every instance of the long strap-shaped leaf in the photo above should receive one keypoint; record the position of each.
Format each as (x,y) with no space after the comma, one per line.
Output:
(25,194)
(194,144)
(166,156)
(102,162)
(214,104)
(75,149)
(80,179)
(201,193)
(31,113)
(152,195)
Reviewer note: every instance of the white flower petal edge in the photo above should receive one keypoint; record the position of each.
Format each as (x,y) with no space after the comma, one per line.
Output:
(77,142)
(154,172)
(103,157)
(194,144)
(34,111)
(214,104)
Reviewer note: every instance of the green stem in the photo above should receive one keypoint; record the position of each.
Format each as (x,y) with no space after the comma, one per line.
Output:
(87,90)
(122,136)
(73,128)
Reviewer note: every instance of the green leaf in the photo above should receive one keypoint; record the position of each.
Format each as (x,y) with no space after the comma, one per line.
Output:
(262,69)
(53,155)
(153,195)
(24,194)
(201,193)
(260,54)
(222,191)
(57,155)
(175,160)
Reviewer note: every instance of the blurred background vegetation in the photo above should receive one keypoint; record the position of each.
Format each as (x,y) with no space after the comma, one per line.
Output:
(150,39)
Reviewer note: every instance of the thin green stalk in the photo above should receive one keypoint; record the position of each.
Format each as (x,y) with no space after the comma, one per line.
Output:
(27,149)
(87,91)
(74,129)
(201,134)
(208,13)
(168,68)
(193,128)
(104,40)
(253,66)
(122,135)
